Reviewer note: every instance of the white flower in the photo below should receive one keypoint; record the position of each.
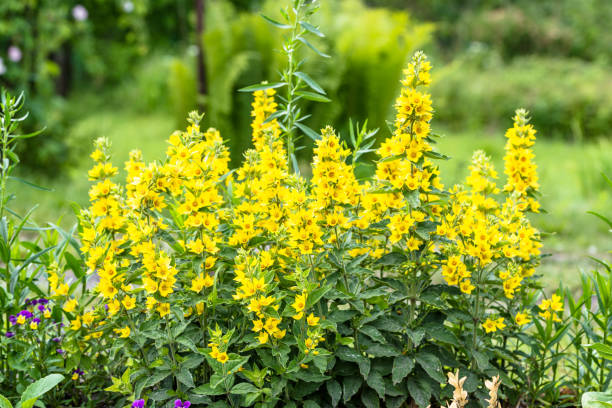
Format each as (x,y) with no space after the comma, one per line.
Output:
(79,13)
(14,53)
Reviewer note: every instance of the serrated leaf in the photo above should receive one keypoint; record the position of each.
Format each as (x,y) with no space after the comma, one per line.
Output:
(402,366)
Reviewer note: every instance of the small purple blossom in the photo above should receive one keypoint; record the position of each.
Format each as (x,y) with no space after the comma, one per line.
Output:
(43,301)
(60,351)
(36,320)
(41,308)
(9,334)
(79,12)
(26,313)
(180,404)
(139,403)
(56,339)
(13,319)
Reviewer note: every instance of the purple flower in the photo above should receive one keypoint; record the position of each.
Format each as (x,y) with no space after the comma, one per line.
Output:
(26,313)
(28,302)
(9,334)
(139,403)
(180,404)
(59,351)
(43,301)
(56,339)
(41,308)
(79,13)
(36,320)
(13,319)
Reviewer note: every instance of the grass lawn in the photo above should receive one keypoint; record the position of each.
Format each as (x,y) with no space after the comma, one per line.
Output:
(570,176)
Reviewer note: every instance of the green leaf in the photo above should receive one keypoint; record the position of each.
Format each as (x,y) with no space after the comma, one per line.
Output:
(39,388)
(185,377)
(597,400)
(261,87)
(391,259)
(369,399)
(375,380)
(604,350)
(157,377)
(312,47)
(276,23)
(419,393)
(309,81)
(373,333)
(311,96)
(308,131)
(27,183)
(207,389)
(315,295)
(350,386)
(4,403)
(431,365)
(244,388)
(402,366)
(312,29)
(334,390)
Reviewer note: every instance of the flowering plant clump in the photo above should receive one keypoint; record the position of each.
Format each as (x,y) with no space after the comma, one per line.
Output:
(259,286)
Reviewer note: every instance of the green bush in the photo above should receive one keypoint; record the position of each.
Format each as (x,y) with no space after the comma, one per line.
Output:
(567,98)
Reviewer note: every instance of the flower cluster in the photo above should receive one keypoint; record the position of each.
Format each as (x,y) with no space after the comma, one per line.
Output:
(207,274)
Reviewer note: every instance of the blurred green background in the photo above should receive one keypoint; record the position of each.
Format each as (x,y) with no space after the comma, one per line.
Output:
(131,70)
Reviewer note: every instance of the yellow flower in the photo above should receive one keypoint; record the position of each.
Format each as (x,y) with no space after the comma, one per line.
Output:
(33,325)
(490,326)
(522,318)
(163,309)
(257,325)
(76,323)
(124,332)
(129,302)
(312,320)
(70,305)
(21,319)
(263,337)
(222,357)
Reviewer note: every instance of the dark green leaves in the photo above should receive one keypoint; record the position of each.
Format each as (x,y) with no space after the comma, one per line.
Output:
(402,366)
(431,365)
